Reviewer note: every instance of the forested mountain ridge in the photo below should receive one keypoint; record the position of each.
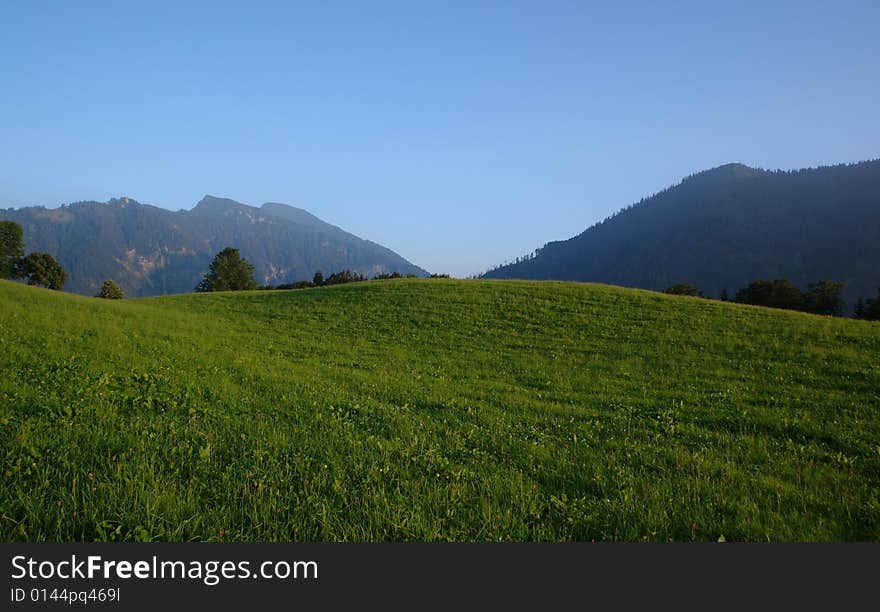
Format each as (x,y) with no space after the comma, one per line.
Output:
(725,227)
(149,250)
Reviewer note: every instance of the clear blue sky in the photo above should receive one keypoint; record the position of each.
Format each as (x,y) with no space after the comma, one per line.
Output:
(460,134)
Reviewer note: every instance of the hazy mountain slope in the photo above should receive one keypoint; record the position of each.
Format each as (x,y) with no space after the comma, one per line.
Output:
(728,226)
(150,250)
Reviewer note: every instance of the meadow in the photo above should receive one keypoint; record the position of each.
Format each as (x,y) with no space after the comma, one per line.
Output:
(431,409)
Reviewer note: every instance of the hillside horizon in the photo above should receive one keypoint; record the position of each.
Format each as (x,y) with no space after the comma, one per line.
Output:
(721,228)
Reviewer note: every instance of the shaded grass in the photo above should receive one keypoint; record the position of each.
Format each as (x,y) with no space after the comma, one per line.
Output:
(434,410)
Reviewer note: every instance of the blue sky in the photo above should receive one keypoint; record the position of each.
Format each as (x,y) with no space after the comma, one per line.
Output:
(460,134)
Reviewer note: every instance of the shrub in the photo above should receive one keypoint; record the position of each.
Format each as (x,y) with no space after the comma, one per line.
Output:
(684,289)
(110,291)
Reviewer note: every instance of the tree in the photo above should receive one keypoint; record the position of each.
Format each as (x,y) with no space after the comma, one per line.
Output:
(296,285)
(228,272)
(872,308)
(345,276)
(723,296)
(110,291)
(386,276)
(40,269)
(11,247)
(860,309)
(824,298)
(318,279)
(683,289)
(777,293)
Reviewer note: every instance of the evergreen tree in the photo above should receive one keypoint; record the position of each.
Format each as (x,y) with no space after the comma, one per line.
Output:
(724,297)
(228,272)
(860,309)
(318,279)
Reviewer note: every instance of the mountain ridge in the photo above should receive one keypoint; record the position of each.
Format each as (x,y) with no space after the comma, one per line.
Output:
(149,250)
(724,227)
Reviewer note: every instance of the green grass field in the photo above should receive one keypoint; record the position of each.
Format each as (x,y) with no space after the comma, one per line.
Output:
(434,410)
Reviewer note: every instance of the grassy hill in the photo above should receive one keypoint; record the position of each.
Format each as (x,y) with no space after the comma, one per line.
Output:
(434,410)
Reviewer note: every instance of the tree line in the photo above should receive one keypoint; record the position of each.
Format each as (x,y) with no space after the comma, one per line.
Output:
(821,297)
(229,271)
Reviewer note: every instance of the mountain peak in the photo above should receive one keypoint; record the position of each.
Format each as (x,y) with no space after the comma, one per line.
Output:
(732,171)
(213,203)
(122,201)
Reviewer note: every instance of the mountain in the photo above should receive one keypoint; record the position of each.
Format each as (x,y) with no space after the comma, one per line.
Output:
(149,250)
(725,227)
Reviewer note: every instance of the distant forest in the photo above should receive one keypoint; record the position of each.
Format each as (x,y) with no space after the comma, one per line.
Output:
(822,297)
(721,229)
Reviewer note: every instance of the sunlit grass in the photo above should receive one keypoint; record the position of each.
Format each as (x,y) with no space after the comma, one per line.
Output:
(434,410)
